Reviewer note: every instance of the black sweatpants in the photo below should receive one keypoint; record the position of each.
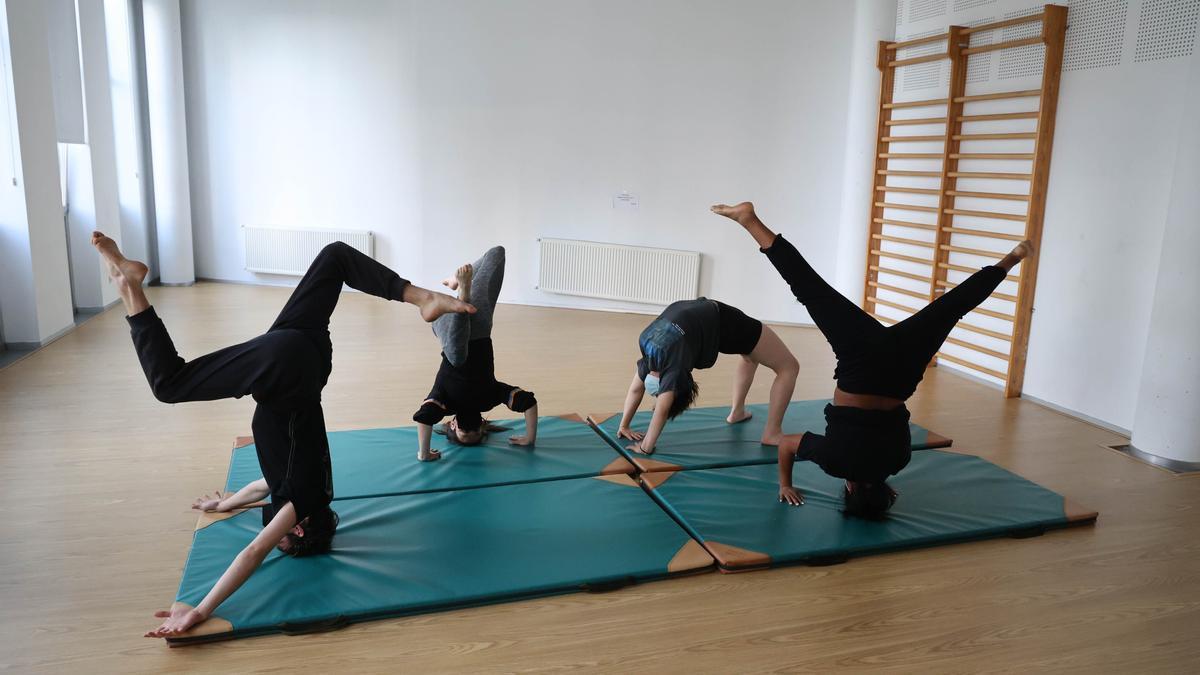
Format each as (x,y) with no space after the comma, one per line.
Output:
(873,358)
(284,369)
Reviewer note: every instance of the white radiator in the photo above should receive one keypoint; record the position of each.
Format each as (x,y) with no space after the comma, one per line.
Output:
(273,250)
(617,272)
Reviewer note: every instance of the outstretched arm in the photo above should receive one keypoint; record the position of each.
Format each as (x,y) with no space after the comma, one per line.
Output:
(180,620)
(633,399)
(787,460)
(424,439)
(252,492)
(531,422)
(662,405)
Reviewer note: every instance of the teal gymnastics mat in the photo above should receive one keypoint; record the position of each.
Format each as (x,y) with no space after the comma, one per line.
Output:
(374,462)
(944,497)
(701,439)
(414,553)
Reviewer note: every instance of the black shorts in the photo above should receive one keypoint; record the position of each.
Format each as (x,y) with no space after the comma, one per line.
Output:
(739,333)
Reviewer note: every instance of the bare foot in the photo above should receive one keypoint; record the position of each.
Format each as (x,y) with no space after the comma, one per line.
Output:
(738,416)
(772,439)
(462,276)
(125,273)
(432,305)
(1023,250)
(463,282)
(1020,252)
(743,213)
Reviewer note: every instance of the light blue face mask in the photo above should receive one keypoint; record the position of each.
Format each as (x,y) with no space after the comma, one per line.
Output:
(653,385)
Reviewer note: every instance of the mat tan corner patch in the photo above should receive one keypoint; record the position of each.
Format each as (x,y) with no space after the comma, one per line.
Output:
(656,478)
(572,417)
(213,625)
(733,556)
(690,556)
(936,440)
(654,465)
(600,418)
(619,478)
(619,465)
(1076,513)
(242,441)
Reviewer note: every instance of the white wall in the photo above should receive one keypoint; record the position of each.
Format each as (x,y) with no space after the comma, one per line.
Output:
(1110,180)
(873,21)
(447,127)
(1168,403)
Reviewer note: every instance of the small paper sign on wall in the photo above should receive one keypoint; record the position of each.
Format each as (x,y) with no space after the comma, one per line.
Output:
(624,200)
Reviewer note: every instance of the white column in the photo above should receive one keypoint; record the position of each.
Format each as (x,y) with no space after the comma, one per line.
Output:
(35,293)
(873,21)
(137,240)
(1167,421)
(92,168)
(168,140)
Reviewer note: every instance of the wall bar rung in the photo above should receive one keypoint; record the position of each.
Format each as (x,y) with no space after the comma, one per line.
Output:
(904,240)
(916,104)
(991,174)
(913,190)
(972,270)
(910,155)
(905,223)
(921,174)
(987,214)
(985,233)
(918,41)
(899,273)
(1005,23)
(999,116)
(994,137)
(896,305)
(912,139)
(1035,40)
(918,59)
(901,291)
(906,207)
(994,314)
(971,251)
(1026,93)
(973,366)
(995,294)
(983,331)
(982,350)
(899,256)
(993,155)
(1008,196)
(915,120)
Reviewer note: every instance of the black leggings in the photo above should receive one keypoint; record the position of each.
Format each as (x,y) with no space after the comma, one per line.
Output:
(873,358)
(284,369)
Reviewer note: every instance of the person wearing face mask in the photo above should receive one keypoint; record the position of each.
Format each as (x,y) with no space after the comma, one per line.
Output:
(688,335)
(466,386)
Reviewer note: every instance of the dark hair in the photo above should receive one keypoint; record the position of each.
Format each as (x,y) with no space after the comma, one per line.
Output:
(485,427)
(685,395)
(318,534)
(869,501)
